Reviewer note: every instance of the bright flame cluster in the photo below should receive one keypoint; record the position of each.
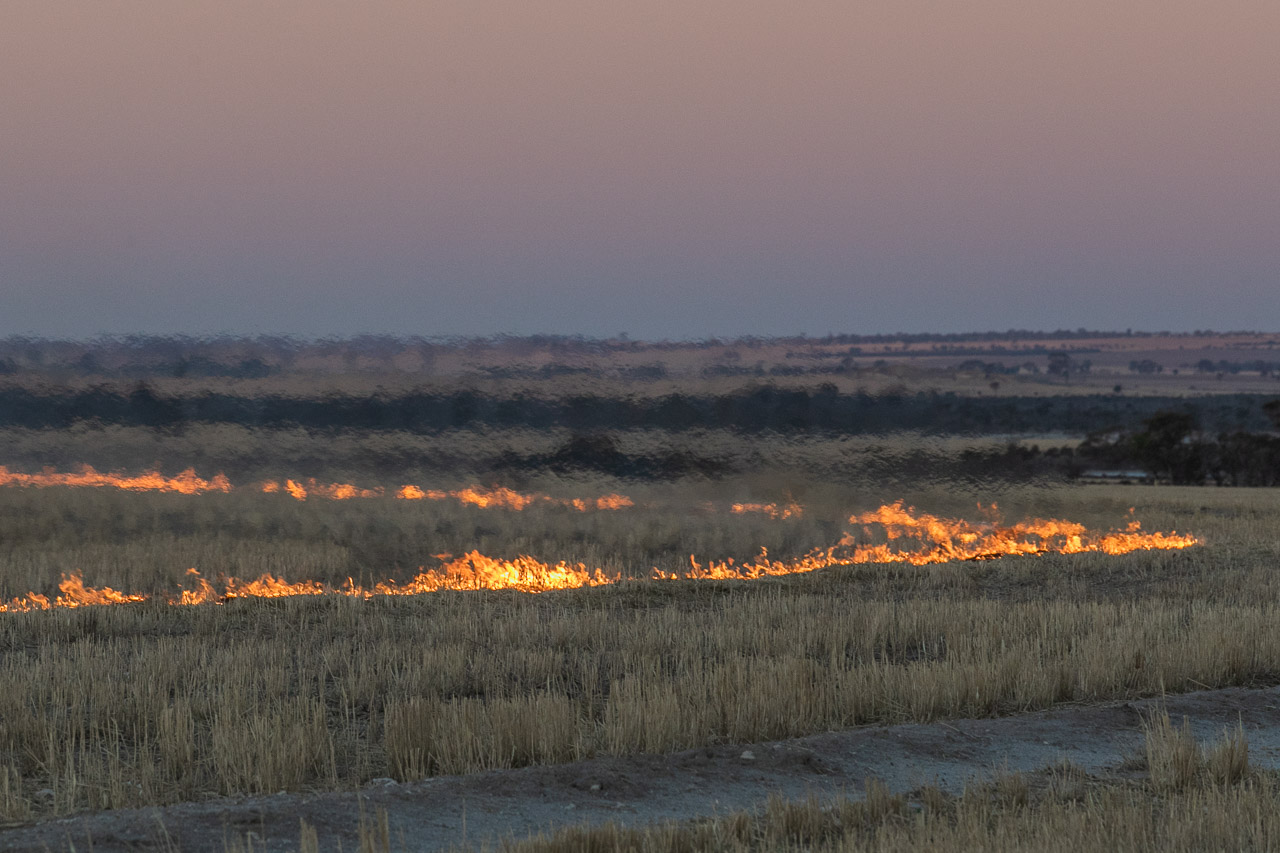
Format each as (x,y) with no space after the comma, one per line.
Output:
(186,483)
(910,537)
(921,539)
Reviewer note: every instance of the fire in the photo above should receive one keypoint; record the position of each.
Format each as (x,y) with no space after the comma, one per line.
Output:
(788,510)
(497,497)
(311,488)
(471,571)
(909,537)
(921,539)
(72,593)
(474,571)
(504,498)
(188,483)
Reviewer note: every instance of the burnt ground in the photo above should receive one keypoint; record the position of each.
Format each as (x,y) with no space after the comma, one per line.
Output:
(483,808)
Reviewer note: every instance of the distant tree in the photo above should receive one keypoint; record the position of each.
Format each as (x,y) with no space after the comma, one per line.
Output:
(149,409)
(88,363)
(1146,365)
(1170,449)
(1246,459)
(1060,364)
(1271,409)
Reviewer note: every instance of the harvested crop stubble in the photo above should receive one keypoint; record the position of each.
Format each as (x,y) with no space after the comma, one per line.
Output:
(1067,816)
(908,537)
(1194,796)
(152,704)
(110,707)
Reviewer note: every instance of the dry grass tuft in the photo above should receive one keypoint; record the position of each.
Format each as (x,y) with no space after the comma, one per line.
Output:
(1175,758)
(1228,761)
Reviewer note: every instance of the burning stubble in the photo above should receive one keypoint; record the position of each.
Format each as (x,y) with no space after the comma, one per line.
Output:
(188,482)
(327,691)
(893,533)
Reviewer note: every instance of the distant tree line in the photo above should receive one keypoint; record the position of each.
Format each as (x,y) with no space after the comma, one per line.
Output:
(1173,447)
(752,408)
(142,356)
(1266,368)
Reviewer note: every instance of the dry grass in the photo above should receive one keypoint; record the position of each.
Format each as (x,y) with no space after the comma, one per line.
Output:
(146,542)
(1243,815)
(1185,803)
(108,707)
(123,706)
(373,835)
(803,463)
(1175,759)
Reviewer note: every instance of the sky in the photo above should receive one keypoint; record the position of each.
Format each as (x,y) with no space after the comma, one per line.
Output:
(664,168)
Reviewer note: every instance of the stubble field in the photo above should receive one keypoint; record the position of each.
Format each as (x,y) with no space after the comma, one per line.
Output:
(150,703)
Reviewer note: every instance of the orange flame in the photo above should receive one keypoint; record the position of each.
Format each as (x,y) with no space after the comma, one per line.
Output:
(504,498)
(186,483)
(73,594)
(921,539)
(911,537)
(614,501)
(474,571)
(312,488)
(789,510)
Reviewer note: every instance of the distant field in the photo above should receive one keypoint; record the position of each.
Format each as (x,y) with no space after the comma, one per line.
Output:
(1022,362)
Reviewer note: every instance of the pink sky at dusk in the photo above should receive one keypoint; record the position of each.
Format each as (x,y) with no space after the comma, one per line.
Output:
(670,169)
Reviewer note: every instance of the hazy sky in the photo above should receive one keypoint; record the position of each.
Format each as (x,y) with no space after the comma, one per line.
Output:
(665,168)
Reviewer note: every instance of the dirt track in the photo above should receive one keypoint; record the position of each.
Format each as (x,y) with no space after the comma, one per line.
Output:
(437,813)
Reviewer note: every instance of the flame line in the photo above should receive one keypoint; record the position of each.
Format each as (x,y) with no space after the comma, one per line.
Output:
(497,497)
(189,483)
(917,539)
